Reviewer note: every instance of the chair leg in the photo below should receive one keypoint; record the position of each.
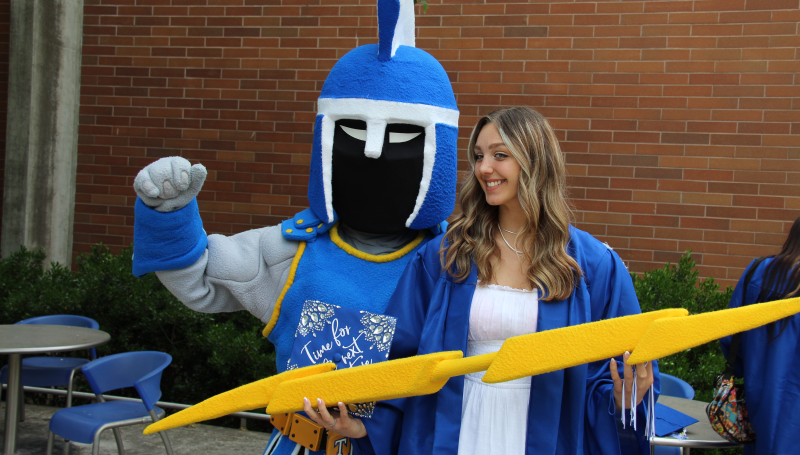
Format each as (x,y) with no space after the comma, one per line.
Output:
(96,442)
(167,444)
(118,437)
(50,439)
(69,386)
(163,434)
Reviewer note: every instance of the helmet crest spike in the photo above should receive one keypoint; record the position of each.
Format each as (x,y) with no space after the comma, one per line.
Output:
(395,26)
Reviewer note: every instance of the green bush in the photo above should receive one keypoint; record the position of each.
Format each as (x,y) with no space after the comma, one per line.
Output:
(677,286)
(212,353)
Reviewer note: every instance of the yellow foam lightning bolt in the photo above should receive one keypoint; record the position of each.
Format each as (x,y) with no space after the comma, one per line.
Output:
(421,375)
(406,377)
(245,398)
(668,336)
(551,350)
(648,335)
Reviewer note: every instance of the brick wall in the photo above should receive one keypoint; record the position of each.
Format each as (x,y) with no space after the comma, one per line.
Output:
(679,119)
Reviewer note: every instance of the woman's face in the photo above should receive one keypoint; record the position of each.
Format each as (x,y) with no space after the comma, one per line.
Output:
(495,168)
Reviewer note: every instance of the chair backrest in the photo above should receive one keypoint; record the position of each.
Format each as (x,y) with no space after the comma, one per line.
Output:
(65,319)
(672,386)
(139,369)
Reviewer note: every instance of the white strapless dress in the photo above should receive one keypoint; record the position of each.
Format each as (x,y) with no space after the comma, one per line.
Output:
(494,417)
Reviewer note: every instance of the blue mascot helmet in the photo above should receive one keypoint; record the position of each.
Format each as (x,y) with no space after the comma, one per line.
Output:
(390,82)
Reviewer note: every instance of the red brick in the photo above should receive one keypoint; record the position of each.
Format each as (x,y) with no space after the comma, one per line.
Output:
(650,18)
(592,43)
(770,239)
(741,67)
(704,247)
(643,42)
(658,173)
(779,190)
(669,6)
(771,4)
(711,127)
(719,5)
(732,188)
(660,149)
(680,209)
(736,139)
(777,214)
(631,184)
(654,244)
(655,220)
(637,137)
(665,30)
(743,41)
(704,223)
(713,103)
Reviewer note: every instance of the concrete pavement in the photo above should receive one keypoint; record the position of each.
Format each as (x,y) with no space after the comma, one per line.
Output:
(192,439)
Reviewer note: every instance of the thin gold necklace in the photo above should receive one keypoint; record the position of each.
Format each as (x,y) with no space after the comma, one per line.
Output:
(508,244)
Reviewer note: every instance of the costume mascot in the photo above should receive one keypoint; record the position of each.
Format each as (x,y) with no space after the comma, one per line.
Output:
(382,182)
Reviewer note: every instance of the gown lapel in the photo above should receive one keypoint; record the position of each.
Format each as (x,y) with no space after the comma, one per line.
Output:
(454,338)
(545,435)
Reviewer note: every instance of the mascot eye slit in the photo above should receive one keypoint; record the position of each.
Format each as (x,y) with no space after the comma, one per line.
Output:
(355,133)
(394,138)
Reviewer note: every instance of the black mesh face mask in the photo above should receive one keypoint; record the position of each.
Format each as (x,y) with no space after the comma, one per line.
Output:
(376,195)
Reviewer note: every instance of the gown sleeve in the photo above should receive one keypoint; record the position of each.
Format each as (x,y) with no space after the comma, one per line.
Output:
(612,295)
(737,300)
(409,305)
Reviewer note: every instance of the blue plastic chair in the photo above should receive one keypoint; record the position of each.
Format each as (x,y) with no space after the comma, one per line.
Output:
(51,371)
(85,424)
(672,386)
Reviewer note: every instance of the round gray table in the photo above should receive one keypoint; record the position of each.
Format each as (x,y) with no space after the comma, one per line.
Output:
(19,339)
(700,434)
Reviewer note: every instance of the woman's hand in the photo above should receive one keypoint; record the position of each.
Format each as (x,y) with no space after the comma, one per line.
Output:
(644,378)
(340,422)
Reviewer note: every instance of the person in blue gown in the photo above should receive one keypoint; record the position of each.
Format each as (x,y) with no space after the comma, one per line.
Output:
(511,243)
(769,356)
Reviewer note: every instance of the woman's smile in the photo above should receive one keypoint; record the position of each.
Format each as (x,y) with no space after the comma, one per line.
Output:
(492,185)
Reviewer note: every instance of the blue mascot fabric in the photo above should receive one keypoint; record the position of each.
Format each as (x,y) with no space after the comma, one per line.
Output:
(354,283)
(166,241)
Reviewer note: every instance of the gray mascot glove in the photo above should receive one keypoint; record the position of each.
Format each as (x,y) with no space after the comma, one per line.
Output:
(170,183)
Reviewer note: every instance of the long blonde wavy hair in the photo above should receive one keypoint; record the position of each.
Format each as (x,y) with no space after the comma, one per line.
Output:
(542,193)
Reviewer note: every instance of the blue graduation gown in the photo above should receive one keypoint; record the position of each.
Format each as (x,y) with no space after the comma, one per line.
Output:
(771,372)
(571,411)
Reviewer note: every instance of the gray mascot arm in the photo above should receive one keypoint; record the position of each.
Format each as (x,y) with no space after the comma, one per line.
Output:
(246,271)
